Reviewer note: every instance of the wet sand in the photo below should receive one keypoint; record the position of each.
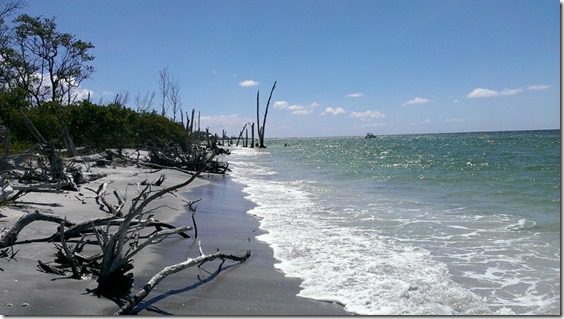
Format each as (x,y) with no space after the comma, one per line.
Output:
(252,288)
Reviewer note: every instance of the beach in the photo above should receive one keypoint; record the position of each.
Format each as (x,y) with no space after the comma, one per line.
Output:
(251,288)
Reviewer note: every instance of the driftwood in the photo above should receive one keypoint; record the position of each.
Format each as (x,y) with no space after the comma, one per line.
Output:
(65,248)
(190,262)
(87,227)
(120,237)
(116,262)
(9,237)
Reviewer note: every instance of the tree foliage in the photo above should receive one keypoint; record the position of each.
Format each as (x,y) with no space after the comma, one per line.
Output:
(47,63)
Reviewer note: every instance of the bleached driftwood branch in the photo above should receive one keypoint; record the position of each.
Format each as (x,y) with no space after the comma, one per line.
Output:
(9,237)
(169,270)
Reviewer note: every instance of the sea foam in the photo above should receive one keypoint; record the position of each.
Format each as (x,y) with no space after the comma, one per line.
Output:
(340,261)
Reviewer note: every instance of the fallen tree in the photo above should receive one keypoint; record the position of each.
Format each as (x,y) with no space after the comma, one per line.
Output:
(115,239)
(169,270)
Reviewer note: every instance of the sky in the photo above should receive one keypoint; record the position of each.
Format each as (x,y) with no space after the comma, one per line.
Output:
(343,67)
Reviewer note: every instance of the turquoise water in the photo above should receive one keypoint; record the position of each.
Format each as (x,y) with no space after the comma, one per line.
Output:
(465,223)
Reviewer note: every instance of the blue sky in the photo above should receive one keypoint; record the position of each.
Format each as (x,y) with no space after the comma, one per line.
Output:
(344,67)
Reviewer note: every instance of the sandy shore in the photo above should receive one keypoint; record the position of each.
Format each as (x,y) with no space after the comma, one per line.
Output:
(252,288)
(26,291)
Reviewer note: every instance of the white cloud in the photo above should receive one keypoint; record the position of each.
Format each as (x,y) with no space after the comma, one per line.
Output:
(367,115)
(281,105)
(334,110)
(538,87)
(455,101)
(481,92)
(248,83)
(417,100)
(81,94)
(355,94)
(295,109)
(107,93)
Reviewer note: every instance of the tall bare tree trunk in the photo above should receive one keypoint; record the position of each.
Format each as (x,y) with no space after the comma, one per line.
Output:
(261,130)
(5,135)
(258,115)
(252,135)
(247,137)
(192,127)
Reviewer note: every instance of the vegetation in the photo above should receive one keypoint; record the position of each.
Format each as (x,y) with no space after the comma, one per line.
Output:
(40,74)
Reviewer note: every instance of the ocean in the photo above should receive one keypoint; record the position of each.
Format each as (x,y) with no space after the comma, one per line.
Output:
(455,224)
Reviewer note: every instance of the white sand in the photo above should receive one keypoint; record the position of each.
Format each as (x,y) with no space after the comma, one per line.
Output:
(26,291)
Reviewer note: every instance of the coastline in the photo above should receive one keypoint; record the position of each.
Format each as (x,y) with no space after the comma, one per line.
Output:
(252,288)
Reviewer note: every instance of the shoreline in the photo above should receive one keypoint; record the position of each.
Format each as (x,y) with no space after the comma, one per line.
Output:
(255,287)
(252,288)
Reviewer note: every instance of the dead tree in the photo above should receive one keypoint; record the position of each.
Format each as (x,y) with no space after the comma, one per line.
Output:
(5,138)
(261,129)
(116,262)
(164,86)
(174,99)
(71,149)
(190,262)
(145,103)
(252,135)
(9,237)
(192,126)
(241,133)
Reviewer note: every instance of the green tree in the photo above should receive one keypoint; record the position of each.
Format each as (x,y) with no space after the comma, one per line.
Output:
(47,63)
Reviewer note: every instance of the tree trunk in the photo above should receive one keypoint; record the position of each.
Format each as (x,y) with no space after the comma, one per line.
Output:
(258,117)
(265,114)
(71,150)
(252,135)
(5,135)
(9,237)
(241,134)
(247,137)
